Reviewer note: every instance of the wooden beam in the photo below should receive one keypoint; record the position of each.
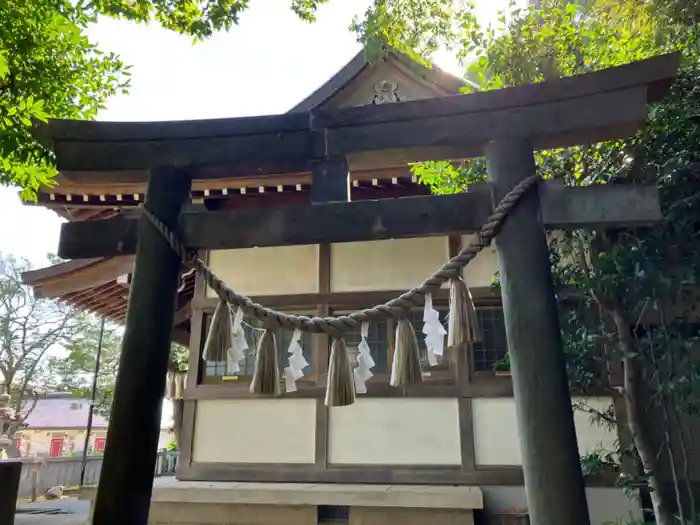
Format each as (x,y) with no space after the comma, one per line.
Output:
(330,181)
(125,486)
(367,220)
(541,390)
(598,106)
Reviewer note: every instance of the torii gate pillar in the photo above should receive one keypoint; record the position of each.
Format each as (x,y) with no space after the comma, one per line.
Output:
(553,479)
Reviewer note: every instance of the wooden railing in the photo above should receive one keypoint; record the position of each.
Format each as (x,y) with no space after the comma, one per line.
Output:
(40,474)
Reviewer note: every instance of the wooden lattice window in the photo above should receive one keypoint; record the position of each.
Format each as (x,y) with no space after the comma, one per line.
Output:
(378,339)
(494,347)
(381,342)
(214,372)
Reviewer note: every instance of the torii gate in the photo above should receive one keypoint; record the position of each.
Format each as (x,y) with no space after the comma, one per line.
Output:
(505,125)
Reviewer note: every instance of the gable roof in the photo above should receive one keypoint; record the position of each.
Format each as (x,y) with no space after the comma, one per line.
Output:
(433,75)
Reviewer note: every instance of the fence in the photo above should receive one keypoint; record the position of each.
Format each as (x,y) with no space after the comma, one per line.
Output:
(40,474)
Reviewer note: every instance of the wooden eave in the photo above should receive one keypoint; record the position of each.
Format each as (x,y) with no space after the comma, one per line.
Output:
(89,201)
(77,275)
(98,285)
(101,286)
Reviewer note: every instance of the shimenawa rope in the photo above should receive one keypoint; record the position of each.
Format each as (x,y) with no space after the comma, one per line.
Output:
(396,308)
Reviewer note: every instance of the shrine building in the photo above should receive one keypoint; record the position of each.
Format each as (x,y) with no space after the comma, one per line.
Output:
(445,451)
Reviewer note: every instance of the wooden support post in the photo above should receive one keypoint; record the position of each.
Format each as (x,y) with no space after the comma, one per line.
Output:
(553,480)
(126,480)
(10,472)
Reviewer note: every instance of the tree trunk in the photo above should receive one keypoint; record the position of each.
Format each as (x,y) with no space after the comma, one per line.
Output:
(663,512)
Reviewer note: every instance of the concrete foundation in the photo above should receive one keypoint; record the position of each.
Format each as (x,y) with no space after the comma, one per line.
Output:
(208,503)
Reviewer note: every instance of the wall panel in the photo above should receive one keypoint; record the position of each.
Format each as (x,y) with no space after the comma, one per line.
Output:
(496,430)
(394,264)
(267,271)
(399,431)
(255,431)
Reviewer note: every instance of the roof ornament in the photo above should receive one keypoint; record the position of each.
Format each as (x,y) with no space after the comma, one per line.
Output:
(386,92)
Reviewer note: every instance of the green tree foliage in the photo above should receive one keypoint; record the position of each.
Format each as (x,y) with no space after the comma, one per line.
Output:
(48,68)
(46,346)
(197,18)
(632,289)
(74,369)
(30,330)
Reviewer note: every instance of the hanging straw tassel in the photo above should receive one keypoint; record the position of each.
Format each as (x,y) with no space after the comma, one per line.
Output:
(170,385)
(340,389)
(266,377)
(405,368)
(221,336)
(180,380)
(463,325)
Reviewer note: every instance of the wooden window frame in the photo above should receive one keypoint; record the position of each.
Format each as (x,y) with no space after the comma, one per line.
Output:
(442,377)
(339,303)
(484,374)
(243,382)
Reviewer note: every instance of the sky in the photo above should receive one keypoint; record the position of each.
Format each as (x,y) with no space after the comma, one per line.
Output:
(265,65)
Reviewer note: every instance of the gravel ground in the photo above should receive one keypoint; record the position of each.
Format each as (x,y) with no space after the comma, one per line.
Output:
(75,513)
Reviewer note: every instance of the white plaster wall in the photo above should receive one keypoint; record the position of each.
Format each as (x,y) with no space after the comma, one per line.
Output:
(496,430)
(607,506)
(480,272)
(269,270)
(394,264)
(376,431)
(254,431)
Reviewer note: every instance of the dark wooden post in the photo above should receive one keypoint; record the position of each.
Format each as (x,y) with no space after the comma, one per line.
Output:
(10,472)
(553,480)
(126,480)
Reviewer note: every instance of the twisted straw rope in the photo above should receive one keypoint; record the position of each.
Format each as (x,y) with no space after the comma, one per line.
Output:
(395,308)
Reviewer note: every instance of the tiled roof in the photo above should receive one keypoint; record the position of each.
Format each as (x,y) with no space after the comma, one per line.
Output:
(63,411)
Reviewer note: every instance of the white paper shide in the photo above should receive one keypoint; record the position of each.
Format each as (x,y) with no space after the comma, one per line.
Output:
(434,332)
(297,363)
(365,363)
(236,353)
